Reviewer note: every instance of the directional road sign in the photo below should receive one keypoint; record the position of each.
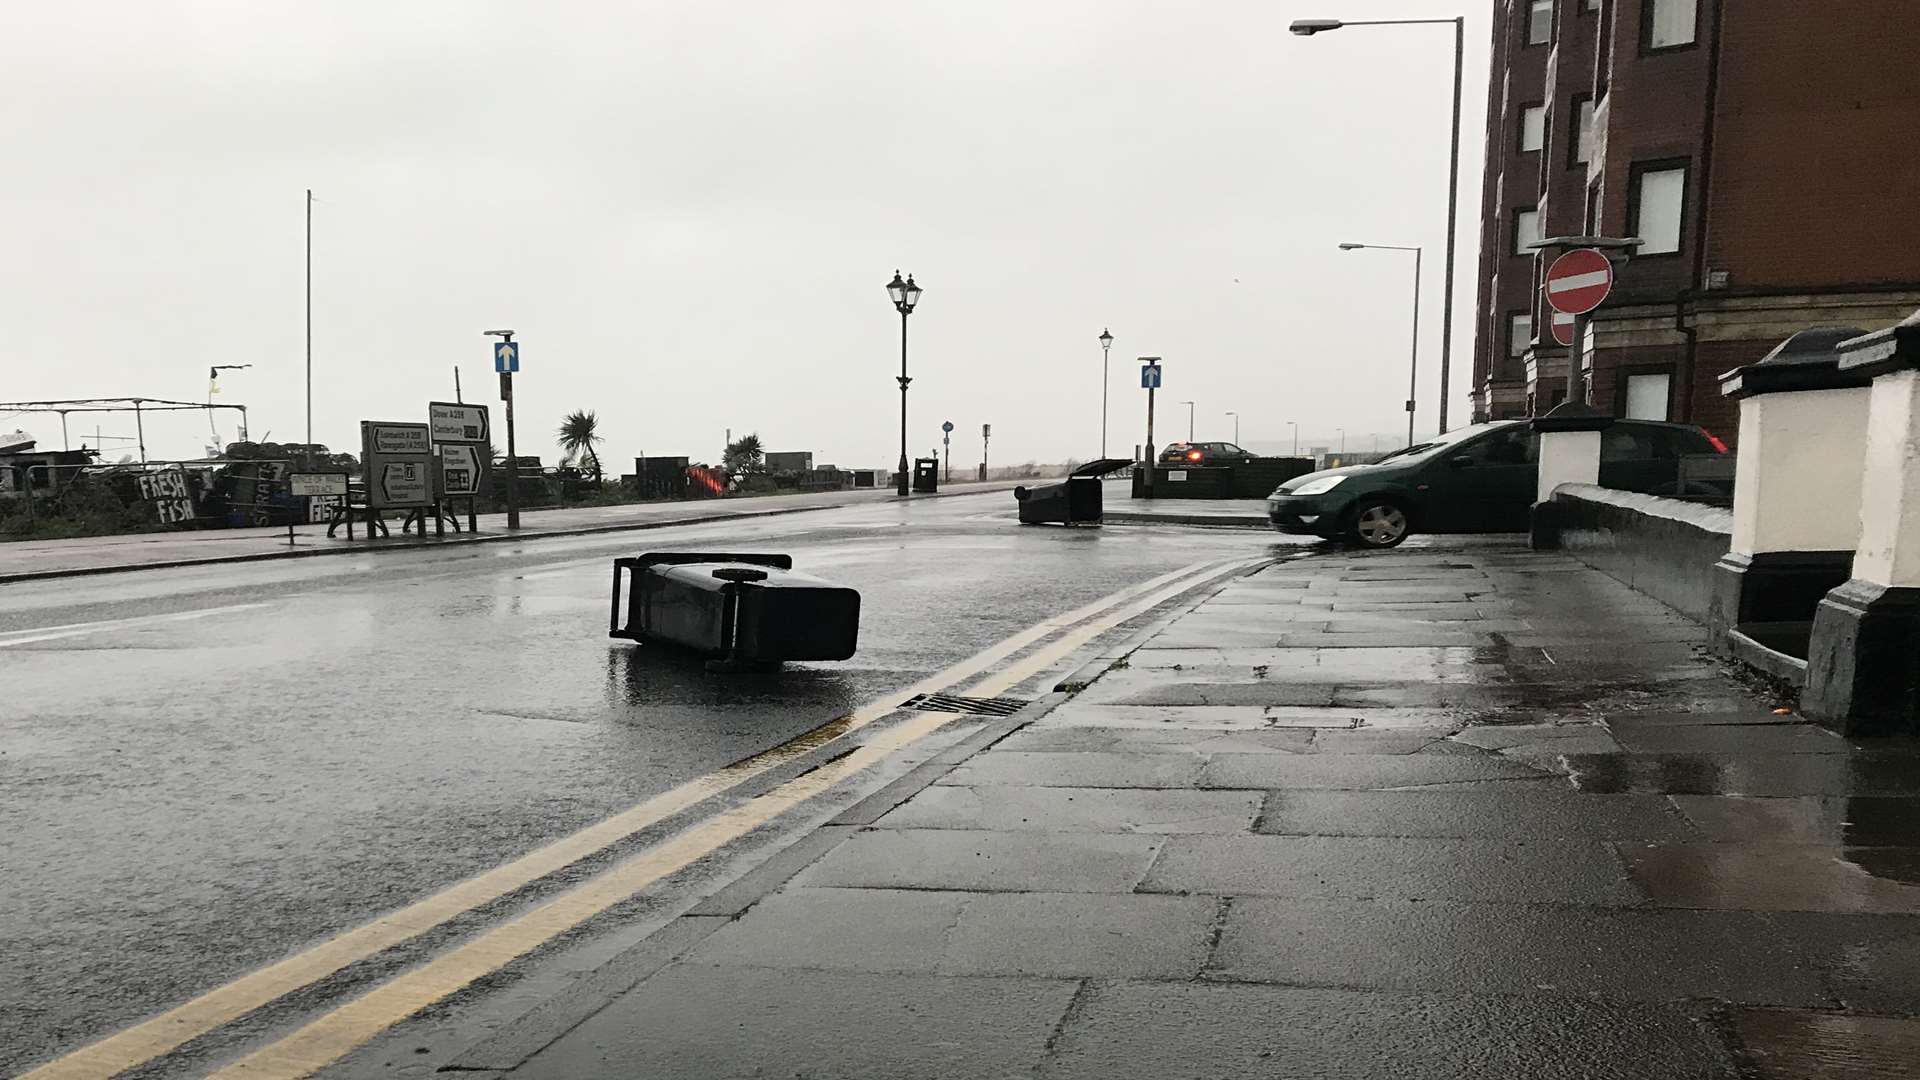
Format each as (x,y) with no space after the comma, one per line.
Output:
(398,459)
(453,422)
(947,427)
(459,469)
(404,483)
(506,357)
(1150,376)
(1578,281)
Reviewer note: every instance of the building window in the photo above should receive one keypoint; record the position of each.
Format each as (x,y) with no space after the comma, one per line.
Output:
(1519,333)
(1526,230)
(1590,5)
(1670,24)
(1540,22)
(1533,128)
(1583,131)
(1659,201)
(1647,396)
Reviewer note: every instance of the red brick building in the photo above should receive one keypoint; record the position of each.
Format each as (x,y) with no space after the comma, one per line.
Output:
(1762,149)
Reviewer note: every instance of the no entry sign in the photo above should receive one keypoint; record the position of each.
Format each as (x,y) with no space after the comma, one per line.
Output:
(1562,324)
(1578,281)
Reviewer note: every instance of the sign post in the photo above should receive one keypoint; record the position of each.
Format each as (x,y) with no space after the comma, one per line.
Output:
(506,361)
(316,486)
(946,442)
(1149,381)
(1576,283)
(398,459)
(461,433)
(986,434)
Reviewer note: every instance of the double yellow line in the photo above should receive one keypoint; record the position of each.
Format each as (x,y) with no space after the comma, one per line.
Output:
(337,1033)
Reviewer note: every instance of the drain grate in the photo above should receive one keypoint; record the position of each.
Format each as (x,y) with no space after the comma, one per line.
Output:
(995,706)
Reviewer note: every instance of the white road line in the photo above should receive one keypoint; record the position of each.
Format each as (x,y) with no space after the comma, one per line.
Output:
(70,630)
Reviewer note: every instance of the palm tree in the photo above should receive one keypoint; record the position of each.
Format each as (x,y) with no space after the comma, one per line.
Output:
(578,432)
(743,455)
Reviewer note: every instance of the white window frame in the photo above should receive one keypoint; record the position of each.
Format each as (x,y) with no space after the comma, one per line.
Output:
(1535,9)
(1523,236)
(1672,24)
(1583,132)
(1533,128)
(1660,215)
(1519,333)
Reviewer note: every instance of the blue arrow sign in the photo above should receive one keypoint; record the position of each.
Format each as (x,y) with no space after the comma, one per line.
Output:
(1150,376)
(506,357)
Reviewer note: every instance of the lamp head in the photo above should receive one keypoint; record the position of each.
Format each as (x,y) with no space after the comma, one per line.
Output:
(1310,27)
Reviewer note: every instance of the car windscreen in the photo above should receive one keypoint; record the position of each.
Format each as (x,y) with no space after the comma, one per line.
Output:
(1440,444)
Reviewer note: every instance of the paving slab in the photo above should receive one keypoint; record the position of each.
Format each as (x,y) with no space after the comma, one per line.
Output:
(1854,773)
(1869,962)
(696,1022)
(1783,1045)
(1356,771)
(1080,769)
(1858,821)
(1161,740)
(1622,955)
(885,930)
(1350,867)
(1083,934)
(1730,739)
(1244,717)
(1778,877)
(1186,1031)
(1541,811)
(1076,809)
(986,861)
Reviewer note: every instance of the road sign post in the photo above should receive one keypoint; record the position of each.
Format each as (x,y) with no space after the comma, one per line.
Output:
(946,444)
(1575,284)
(506,361)
(1150,381)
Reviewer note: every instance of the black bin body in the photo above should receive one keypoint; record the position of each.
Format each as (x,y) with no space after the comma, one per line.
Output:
(1078,499)
(748,608)
(926,475)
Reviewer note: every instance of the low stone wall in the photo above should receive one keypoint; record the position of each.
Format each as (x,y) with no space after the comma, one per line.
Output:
(1662,547)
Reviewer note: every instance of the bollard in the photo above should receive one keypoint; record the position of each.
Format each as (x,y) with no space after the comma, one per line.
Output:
(744,612)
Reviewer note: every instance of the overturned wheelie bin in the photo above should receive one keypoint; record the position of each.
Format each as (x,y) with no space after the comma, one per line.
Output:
(1072,501)
(743,612)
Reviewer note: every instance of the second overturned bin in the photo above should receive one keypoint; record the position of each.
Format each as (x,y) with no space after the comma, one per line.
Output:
(1076,499)
(750,610)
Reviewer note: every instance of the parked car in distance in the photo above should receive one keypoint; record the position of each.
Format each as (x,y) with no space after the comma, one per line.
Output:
(1204,453)
(1475,479)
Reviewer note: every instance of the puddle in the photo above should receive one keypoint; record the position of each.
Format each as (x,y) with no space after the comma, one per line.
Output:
(1788,1045)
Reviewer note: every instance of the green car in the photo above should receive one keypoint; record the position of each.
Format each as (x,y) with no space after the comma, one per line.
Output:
(1478,479)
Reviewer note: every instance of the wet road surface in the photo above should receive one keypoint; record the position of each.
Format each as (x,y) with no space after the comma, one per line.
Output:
(203,770)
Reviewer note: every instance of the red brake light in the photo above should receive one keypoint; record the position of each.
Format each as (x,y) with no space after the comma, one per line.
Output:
(1193,455)
(1718,446)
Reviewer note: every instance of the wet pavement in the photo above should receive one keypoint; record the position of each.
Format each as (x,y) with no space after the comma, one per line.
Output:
(1456,810)
(203,770)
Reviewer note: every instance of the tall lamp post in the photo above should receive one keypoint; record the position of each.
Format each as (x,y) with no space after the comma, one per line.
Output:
(1310,27)
(1413,366)
(904,295)
(1189,406)
(1295,425)
(1106,347)
(1236,426)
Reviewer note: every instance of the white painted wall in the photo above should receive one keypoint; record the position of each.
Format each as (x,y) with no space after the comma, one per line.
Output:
(1798,482)
(1567,457)
(1889,548)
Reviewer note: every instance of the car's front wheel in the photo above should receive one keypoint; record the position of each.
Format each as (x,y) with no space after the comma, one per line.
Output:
(1379,524)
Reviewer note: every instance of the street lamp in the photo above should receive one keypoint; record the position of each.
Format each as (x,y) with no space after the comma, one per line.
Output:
(1236,426)
(1295,425)
(1413,367)
(1310,27)
(1106,344)
(904,295)
(1189,406)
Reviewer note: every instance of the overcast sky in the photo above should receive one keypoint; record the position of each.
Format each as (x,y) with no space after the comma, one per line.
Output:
(688,211)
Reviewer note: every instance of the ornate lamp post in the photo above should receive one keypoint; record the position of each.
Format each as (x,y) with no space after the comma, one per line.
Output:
(904,295)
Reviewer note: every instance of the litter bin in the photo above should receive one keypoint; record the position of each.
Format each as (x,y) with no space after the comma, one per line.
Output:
(926,475)
(1078,498)
(742,610)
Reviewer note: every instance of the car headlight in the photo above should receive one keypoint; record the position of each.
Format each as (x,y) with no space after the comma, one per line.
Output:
(1318,487)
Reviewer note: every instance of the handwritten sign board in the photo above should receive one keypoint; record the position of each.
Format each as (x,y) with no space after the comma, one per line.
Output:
(166,489)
